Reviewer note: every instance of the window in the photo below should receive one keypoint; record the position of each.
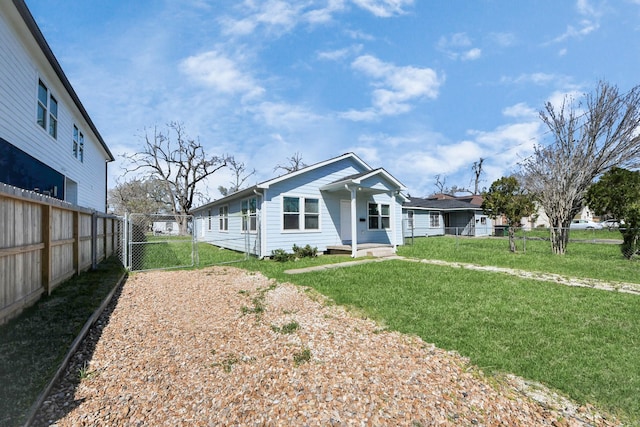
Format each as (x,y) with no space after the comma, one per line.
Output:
(47,110)
(379,216)
(42,104)
(434,219)
(78,144)
(249,214)
(81,148)
(300,213)
(53,117)
(76,132)
(483,220)
(410,220)
(223,213)
(209,220)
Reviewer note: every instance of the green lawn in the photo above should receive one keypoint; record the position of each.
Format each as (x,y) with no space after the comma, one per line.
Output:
(582,342)
(583,259)
(33,344)
(177,251)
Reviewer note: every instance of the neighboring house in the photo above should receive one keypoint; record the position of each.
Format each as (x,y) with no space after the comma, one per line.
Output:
(340,202)
(437,216)
(540,218)
(48,142)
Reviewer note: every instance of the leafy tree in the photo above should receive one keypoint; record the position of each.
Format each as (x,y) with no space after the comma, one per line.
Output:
(618,193)
(506,197)
(145,196)
(179,163)
(590,137)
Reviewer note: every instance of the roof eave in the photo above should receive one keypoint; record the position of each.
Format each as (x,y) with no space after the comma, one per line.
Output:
(28,19)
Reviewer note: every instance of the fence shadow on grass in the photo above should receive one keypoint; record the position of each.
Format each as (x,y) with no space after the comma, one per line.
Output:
(33,345)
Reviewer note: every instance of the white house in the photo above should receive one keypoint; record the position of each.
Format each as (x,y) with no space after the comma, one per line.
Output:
(340,203)
(48,142)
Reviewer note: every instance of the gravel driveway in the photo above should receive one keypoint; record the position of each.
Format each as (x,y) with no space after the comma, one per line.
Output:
(222,346)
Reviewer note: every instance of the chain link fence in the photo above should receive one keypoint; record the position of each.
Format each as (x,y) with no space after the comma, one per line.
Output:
(156,241)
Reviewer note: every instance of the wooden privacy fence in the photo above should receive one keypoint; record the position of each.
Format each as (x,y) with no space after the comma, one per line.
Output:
(43,242)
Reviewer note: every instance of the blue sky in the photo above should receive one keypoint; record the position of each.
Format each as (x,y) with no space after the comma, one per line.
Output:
(421,88)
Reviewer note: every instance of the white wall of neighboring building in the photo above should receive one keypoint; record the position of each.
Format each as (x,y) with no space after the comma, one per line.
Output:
(22,65)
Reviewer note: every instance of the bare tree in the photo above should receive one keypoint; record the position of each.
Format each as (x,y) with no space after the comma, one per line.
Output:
(179,163)
(240,176)
(590,137)
(441,181)
(477,172)
(295,163)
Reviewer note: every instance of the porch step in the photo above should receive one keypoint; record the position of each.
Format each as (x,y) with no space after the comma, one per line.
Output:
(366,249)
(376,252)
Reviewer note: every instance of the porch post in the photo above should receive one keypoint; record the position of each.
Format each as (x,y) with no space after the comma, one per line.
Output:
(354,223)
(392,219)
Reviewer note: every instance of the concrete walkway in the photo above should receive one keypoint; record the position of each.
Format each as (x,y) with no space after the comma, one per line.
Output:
(630,288)
(342,264)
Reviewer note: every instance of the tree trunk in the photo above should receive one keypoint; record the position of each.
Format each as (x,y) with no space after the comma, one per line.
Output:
(512,239)
(559,238)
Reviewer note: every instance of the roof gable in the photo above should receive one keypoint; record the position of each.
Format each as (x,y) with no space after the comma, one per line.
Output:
(358,160)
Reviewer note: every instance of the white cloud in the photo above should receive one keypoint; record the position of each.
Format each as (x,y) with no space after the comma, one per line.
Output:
(384,8)
(520,110)
(503,39)
(221,73)
(280,16)
(396,87)
(586,25)
(338,54)
(458,46)
(471,55)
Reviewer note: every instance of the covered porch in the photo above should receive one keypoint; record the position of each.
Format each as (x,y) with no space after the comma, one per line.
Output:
(369,221)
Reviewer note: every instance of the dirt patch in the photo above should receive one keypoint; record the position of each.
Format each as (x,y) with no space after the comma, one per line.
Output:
(222,346)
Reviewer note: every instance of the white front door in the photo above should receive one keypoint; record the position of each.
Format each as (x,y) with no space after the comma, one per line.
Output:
(345,221)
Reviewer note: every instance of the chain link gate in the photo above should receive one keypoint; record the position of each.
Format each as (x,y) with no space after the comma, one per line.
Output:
(157,242)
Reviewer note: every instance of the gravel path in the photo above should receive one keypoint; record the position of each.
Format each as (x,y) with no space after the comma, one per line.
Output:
(221,347)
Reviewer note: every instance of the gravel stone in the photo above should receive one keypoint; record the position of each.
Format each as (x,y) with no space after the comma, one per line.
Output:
(199,348)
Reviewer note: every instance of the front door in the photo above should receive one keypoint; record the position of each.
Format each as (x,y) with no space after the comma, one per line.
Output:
(345,221)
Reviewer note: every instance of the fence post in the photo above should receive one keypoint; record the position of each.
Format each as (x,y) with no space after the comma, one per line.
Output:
(46,250)
(76,241)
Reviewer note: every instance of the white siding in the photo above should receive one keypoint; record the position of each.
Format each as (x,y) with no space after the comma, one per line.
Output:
(22,64)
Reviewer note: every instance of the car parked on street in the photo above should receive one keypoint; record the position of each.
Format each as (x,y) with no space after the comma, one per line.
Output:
(583,224)
(613,224)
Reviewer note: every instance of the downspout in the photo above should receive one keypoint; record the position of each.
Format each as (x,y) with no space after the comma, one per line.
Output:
(263,229)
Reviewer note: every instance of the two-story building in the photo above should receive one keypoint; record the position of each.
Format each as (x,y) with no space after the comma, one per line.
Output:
(48,142)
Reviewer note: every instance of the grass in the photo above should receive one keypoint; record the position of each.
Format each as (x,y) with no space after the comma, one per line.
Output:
(177,252)
(582,342)
(583,259)
(33,344)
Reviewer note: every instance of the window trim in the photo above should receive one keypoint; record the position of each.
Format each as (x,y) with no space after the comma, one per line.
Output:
(223,218)
(432,215)
(378,216)
(246,222)
(302,214)
(47,109)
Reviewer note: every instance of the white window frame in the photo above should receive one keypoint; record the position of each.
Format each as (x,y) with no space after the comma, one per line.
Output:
(379,216)
(411,219)
(223,218)
(249,223)
(434,223)
(302,214)
(47,110)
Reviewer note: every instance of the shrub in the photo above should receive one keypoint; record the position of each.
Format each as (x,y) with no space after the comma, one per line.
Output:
(280,255)
(306,252)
